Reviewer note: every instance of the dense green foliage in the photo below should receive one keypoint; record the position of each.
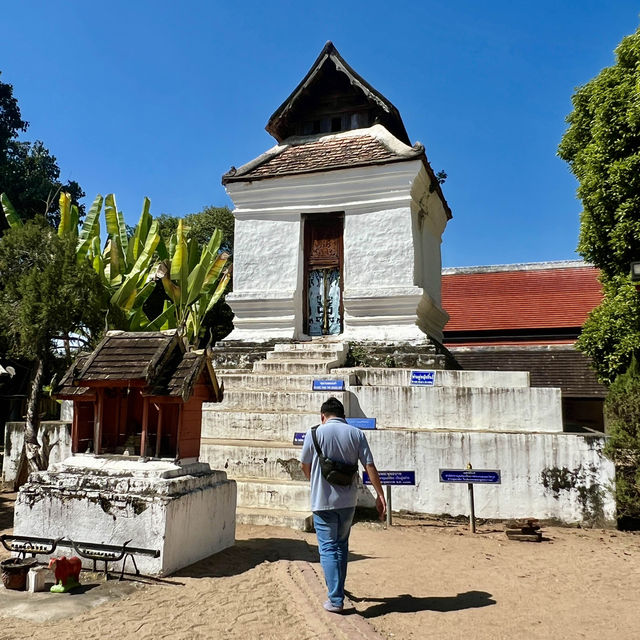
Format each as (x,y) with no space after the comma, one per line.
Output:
(218,321)
(602,147)
(622,409)
(46,296)
(201,226)
(151,284)
(29,174)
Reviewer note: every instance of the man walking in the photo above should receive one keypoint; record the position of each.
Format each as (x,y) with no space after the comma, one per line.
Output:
(334,505)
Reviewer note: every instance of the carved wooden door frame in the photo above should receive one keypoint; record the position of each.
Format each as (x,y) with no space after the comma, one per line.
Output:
(327,254)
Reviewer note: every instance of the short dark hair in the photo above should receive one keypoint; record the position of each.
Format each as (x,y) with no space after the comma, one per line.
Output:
(332,407)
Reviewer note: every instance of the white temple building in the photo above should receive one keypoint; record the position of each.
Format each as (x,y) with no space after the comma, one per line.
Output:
(338,226)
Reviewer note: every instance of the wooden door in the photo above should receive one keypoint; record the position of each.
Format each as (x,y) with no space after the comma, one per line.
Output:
(323,251)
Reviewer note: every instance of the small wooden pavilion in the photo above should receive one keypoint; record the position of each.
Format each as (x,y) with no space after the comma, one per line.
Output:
(140,394)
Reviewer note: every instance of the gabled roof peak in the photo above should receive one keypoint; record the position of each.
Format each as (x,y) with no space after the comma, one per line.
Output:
(333,97)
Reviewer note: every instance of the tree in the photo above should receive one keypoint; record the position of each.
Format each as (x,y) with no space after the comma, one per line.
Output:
(29,174)
(218,321)
(602,147)
(622,409)
(201,226)
(46,298)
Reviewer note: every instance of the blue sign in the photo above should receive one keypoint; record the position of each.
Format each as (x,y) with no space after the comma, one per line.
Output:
(362,423)
(298,438)
(423,378)
(470,476)
(328,385)
(392,477)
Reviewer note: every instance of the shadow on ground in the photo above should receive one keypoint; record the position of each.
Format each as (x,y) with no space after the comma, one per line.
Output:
(247,554)
(410,604)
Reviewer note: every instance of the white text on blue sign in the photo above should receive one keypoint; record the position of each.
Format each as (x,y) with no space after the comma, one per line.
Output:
(423,378)
(392,477)
(328,385)
(362,423)
(471,476)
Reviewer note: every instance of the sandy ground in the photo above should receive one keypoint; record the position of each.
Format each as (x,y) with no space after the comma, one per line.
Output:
(419,579)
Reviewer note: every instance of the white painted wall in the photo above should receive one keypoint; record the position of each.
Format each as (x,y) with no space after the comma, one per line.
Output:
(53,435)
(498,409)
(187,517)
(385,292)
(525,460)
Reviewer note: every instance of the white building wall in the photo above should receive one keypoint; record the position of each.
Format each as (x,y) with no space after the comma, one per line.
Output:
(384,299)
(561,476)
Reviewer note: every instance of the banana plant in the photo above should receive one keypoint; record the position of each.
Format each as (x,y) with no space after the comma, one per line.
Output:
(194,278)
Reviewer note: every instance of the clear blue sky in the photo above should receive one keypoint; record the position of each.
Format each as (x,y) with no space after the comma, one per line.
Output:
(160,98)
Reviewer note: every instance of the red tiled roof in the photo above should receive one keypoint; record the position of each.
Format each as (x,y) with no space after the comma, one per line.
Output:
(536,298)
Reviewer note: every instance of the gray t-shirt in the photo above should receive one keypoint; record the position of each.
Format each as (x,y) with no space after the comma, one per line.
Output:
(338,441)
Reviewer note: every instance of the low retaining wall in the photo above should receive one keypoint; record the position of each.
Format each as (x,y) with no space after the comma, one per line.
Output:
(563,477)
(53,435)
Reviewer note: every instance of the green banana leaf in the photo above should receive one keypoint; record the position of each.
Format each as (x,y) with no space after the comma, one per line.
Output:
(213,246)
(137,242)
(115,259)
(64,227)
(180,263)
(13,219)
(122,231)
(220,289)
(146,255)
(90,230)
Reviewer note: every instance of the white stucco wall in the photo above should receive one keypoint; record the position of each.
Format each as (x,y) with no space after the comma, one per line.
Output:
(561,476)
(468,408)
(53,435)
(187,517)
(383,285)
(546,476)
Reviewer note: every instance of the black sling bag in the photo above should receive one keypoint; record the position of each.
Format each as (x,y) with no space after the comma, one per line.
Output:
(334,471)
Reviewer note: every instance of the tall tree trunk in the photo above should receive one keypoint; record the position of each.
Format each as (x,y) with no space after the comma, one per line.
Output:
(31,445)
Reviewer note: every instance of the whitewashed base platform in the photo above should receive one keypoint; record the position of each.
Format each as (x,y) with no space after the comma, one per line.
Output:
(186,512)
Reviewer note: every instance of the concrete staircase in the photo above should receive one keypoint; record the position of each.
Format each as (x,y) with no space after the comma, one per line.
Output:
(250,434)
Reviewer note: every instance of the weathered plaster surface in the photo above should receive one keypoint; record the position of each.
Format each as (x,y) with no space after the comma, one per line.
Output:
(546,476)
(188,513)
(54,437)
(392,233)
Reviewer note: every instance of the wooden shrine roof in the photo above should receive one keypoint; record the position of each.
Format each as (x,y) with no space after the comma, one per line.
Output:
(154,361)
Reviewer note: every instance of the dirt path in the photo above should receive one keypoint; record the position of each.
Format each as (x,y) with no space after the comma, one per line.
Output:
(420,579)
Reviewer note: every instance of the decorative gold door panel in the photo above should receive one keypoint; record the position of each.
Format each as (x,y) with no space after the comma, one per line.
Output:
(323,274)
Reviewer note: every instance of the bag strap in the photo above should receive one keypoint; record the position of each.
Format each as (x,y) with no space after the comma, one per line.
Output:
(315,441)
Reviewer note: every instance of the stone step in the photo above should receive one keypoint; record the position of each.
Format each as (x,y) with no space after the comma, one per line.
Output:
(287,367)
(290,495)
(253,458)
(299,520)
(236,381)
(310,354)
(311,346)
(262,400)
(381,377)
(264,425)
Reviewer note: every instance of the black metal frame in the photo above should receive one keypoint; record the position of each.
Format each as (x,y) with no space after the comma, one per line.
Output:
(89,550)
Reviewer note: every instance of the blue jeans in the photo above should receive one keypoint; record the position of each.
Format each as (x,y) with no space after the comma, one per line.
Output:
(332,528)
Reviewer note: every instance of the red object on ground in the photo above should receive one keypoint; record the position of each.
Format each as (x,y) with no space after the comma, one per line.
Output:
(63,568)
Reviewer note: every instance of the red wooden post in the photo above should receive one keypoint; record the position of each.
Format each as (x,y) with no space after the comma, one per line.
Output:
(159,431)
(97,421)
(74,428)
(145,426)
